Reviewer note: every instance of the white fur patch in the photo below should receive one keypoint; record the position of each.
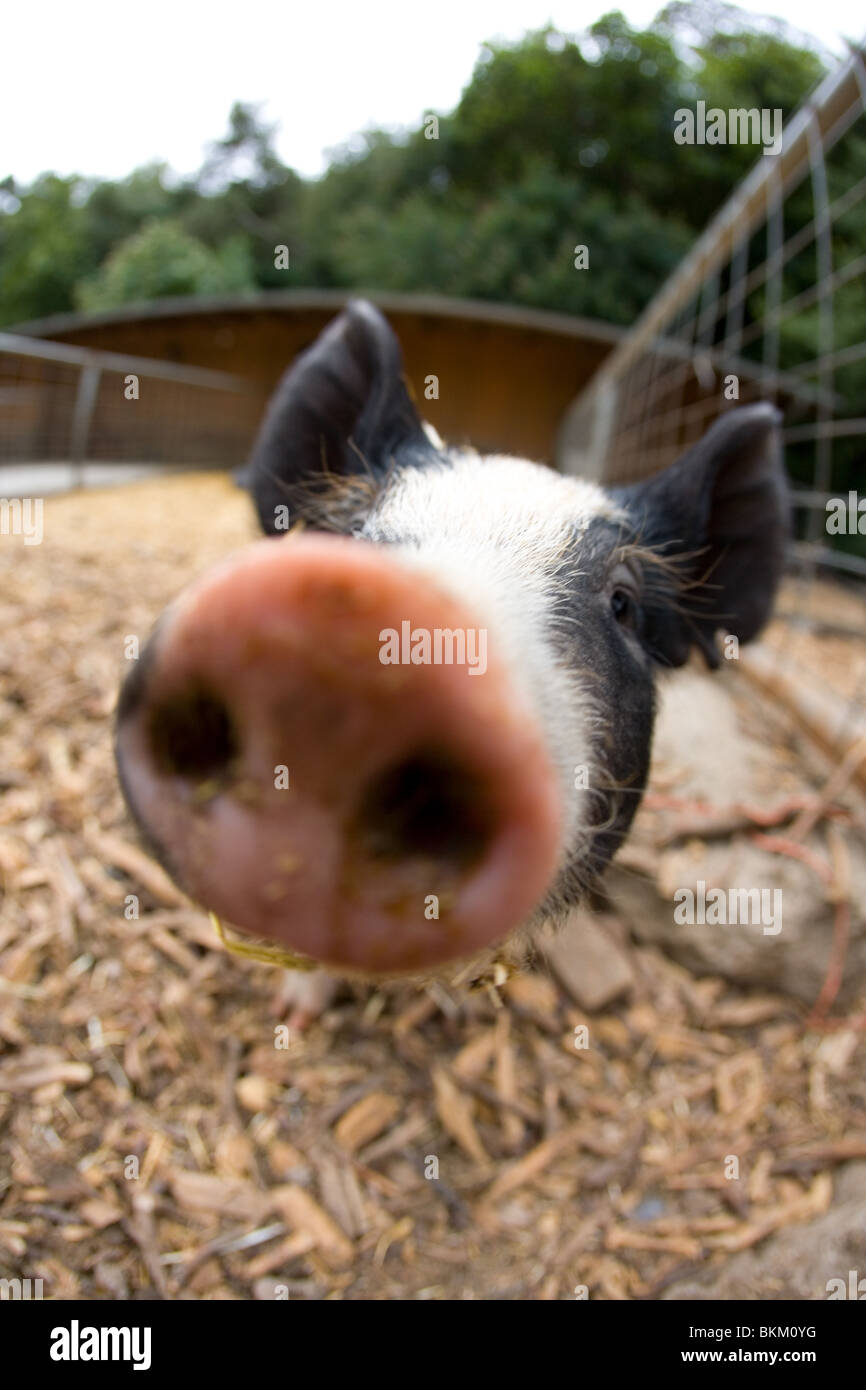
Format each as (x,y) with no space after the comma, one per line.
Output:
(492,530)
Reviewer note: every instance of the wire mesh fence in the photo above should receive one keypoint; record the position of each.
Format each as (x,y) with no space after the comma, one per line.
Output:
(61,404)
(769,305)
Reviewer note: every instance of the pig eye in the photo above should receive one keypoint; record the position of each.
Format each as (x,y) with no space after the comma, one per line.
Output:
(624,602)
(623,607)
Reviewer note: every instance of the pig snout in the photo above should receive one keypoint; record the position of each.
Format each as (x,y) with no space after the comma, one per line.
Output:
(378,816)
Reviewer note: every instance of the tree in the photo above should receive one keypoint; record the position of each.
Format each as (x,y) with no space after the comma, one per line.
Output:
(244,189)
(556,140)
(163,260)
(44,248)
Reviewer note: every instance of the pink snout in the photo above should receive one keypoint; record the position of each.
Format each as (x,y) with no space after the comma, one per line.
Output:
(374,816)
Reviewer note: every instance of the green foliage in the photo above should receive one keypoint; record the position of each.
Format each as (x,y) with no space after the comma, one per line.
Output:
(755,70)
(113,211)
(163,260)
(44,249)
(519,247)
(551,131)
(554,143)
(589,118)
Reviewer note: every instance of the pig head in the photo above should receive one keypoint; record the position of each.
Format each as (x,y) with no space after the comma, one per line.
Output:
(418,717)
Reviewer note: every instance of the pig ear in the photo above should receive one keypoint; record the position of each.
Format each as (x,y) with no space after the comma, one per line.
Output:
(722,512)
(341,412)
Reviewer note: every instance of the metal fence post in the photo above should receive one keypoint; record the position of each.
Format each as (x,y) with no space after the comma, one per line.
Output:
(82,417)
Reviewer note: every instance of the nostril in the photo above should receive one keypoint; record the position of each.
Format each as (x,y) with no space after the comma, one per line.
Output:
(192,734)
(426,807)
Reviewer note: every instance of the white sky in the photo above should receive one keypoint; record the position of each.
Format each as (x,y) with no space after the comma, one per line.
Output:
(98,87)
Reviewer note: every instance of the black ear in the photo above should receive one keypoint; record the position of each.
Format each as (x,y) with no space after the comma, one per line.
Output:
(340,412)
(722,512)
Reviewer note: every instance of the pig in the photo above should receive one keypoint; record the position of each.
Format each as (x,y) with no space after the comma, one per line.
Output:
(414,722)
